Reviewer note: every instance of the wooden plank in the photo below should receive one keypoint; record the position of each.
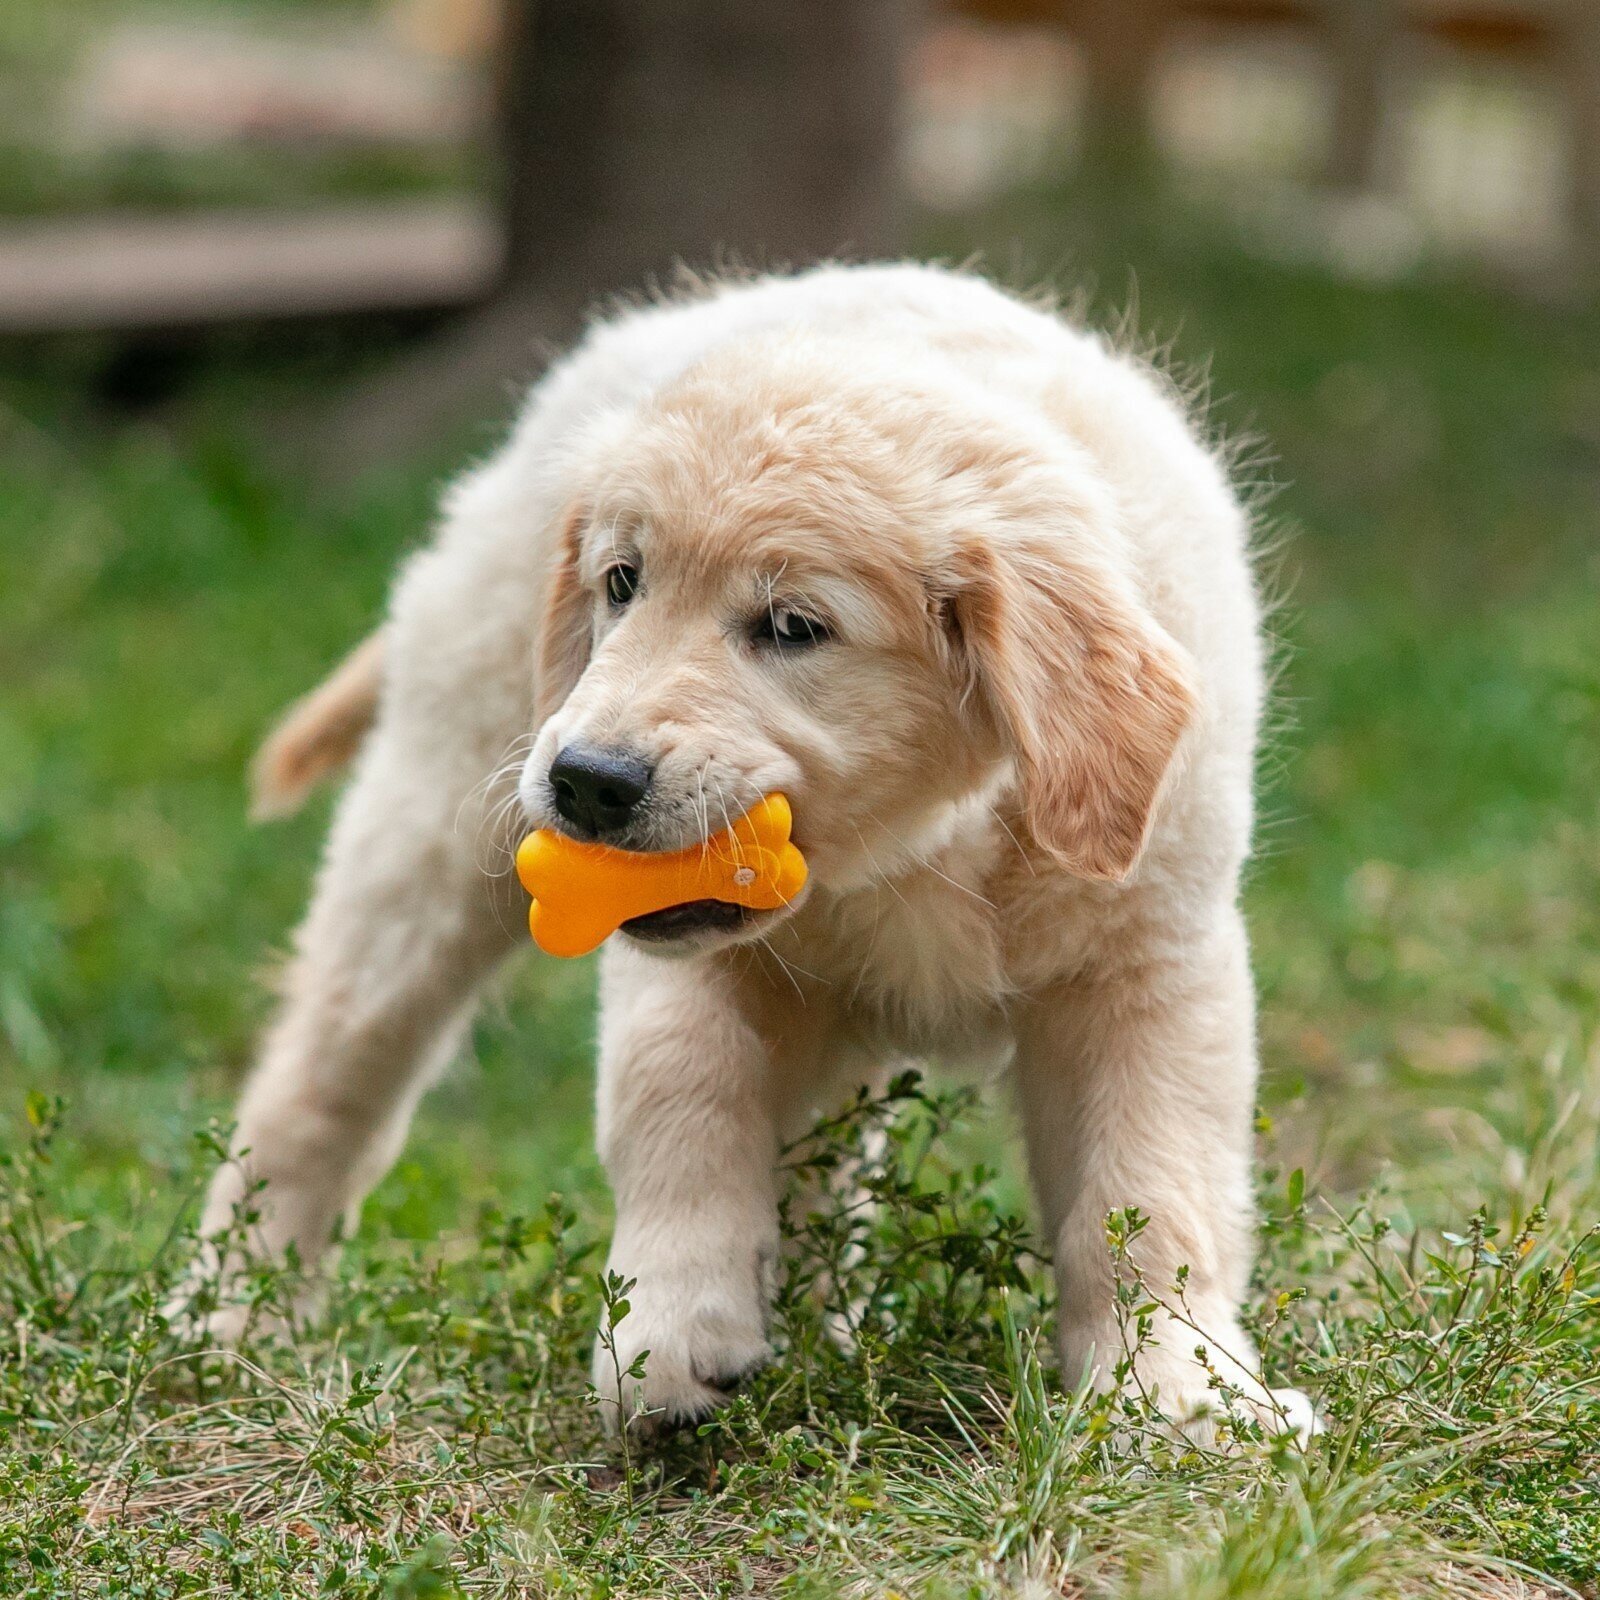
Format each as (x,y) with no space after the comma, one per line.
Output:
(1494,25)
(121,271)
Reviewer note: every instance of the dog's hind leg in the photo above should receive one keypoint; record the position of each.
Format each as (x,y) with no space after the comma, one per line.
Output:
(404,925)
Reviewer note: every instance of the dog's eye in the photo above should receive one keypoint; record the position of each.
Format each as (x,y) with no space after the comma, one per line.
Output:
(622,584)
(791,629)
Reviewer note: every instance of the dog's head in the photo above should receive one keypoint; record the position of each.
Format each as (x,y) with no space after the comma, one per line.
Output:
(867,592)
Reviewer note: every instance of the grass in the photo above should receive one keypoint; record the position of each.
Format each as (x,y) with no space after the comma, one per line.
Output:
(1427,918)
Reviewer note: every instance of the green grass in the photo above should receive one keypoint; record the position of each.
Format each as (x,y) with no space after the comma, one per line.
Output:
(1427,918)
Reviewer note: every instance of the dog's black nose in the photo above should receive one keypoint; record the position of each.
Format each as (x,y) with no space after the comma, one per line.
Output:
(596,790)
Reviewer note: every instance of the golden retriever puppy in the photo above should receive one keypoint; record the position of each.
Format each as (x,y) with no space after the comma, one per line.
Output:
(961,582)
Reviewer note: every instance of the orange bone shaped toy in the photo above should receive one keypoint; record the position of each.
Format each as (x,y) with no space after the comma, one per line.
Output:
(582,893)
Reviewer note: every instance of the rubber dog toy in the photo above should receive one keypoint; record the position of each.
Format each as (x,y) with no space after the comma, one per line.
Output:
(582,893)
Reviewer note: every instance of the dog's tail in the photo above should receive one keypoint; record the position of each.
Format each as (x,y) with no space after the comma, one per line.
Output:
(318,734)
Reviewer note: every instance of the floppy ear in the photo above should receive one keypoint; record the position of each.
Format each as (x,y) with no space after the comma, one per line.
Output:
(565,632)
(1089,692)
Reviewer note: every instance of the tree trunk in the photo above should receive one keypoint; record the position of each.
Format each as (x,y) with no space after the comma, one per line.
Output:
(1363,36)
(636,133)
(1122,43)
(1579,42)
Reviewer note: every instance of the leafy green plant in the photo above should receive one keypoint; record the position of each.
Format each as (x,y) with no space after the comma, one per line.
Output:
(432,1431)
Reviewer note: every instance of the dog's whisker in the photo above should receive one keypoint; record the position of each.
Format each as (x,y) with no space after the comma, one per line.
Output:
(766,943)
(491,849)
(875,938)
(702,812)
(515,753)
(1005,828)
(928,866)
(880,877)
(728,818)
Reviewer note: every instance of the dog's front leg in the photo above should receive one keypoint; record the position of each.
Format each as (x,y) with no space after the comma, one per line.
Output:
(688,1135)
(1137,1090)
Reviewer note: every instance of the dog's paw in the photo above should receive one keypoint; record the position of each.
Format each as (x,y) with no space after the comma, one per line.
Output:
(1198,1411)
(1291,1411)
(697,1345)
(211,1306)
(221,1325)
(1199,1391)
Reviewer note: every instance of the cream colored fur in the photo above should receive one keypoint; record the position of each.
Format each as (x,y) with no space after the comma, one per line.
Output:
(1021,773)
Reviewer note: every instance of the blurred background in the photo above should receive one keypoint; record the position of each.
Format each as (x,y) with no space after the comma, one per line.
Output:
(271,270)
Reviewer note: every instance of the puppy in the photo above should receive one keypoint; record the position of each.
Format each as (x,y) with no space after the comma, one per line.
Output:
(961,582)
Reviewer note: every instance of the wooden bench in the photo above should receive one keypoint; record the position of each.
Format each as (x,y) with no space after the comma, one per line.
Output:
(134,273)
(1122,38)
